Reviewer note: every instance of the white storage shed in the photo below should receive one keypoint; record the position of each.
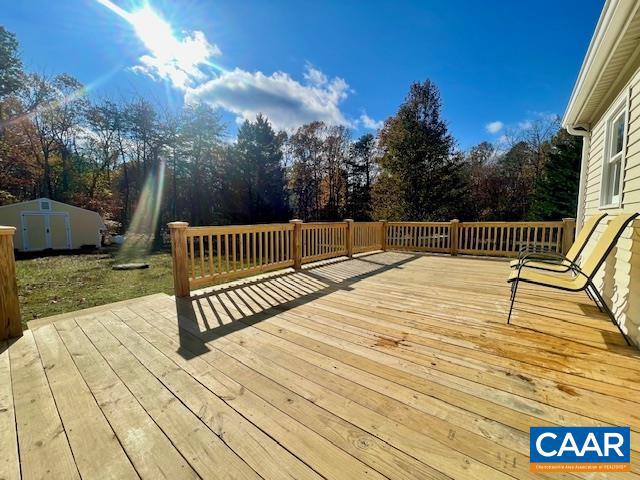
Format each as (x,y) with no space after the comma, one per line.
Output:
(44,224)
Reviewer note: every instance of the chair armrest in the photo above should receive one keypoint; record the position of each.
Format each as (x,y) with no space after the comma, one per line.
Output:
(532,249)
(549,257)
(573,266)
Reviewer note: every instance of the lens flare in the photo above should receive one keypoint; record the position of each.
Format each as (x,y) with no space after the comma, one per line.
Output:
(61,102)
(140,235)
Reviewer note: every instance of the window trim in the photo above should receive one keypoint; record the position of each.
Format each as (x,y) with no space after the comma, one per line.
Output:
(621,106)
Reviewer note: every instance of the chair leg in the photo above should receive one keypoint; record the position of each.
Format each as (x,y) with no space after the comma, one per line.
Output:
(514,290)
(593,298)
(608,311)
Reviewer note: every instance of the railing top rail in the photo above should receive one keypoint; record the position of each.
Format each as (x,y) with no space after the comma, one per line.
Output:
(516,224)
(418,223)
(238,228)
(323,224)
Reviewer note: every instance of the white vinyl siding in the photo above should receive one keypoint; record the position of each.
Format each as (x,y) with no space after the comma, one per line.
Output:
(619,278)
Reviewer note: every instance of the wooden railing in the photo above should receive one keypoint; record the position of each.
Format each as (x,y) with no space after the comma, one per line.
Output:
(506,238)
(206,255)
(323,240)
(367,236)
(214,254)
(10,322)
(419,236)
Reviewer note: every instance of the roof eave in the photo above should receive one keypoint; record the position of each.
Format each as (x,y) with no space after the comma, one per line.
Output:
(610,27)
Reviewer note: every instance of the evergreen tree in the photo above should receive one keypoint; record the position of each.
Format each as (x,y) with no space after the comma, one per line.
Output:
(556,192)
(418,161)
(11,75)
(516,183)
(262,181)
(361,164)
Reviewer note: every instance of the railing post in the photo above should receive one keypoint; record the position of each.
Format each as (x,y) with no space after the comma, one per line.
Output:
(10,324)
(568,233)
(296,238)
(350,236)
(178,231)
(454,233)
(383,226)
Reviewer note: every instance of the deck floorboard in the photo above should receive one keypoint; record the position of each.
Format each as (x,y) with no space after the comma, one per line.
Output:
(388,365)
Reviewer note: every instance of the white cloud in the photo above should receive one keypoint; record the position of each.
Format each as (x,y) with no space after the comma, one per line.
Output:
(494,127)
(546,116)
(370,123)
(185,61)
(314,76)
(285,101)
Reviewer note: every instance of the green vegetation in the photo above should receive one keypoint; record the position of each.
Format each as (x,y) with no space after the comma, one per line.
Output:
(123,158)
(64,283)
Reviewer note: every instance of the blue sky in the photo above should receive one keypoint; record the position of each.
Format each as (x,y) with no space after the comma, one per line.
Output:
(341,61)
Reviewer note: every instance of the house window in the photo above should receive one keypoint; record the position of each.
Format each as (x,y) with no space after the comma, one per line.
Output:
(44,205)
(614,158)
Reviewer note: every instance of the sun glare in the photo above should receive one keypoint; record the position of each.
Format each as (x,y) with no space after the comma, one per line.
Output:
(156,34)
(172,57)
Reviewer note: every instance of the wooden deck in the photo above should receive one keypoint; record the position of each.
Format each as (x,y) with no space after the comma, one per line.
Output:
(393,365)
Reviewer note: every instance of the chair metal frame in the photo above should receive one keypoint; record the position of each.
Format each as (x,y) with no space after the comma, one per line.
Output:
(589,287)
(547,256)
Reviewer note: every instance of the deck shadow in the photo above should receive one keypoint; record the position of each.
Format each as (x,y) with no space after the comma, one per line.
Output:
(223,310)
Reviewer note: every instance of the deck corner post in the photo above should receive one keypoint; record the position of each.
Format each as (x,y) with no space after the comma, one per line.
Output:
(383,235)
(454,235)
(297,243)
(10,321)
(568,233)
(350,236)
(178,233)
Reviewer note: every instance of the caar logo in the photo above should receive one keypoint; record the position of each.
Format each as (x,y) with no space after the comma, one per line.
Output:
(579,449)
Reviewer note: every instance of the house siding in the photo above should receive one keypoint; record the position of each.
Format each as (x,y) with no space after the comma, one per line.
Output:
(619,279)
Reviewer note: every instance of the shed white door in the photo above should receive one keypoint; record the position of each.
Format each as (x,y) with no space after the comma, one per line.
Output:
(41,231)
(34,232)
(59,231)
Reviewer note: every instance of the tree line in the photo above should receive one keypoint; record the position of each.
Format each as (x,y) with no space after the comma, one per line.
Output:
(57,141)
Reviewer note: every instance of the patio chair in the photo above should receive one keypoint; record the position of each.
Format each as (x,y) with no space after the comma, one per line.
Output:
(556,262)
(582,275)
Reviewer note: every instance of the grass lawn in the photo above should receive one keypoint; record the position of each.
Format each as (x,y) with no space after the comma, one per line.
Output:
(64,283)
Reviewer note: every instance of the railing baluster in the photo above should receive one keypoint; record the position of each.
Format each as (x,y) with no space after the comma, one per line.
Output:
(226,251)
(219,253)
(248,250)
(193,265)
(234,241)
(210,245)
(201,248)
